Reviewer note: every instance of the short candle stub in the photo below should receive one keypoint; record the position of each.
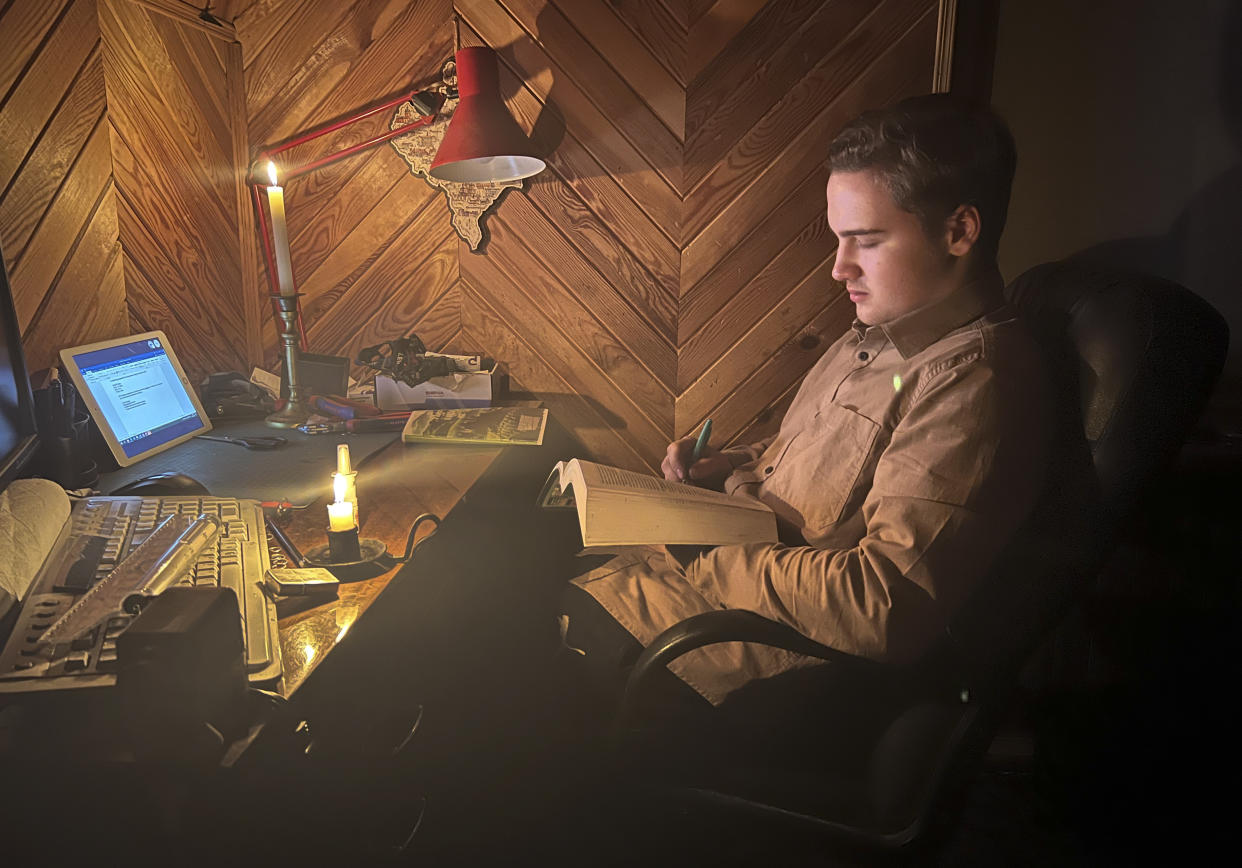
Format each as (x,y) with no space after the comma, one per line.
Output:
(343,546)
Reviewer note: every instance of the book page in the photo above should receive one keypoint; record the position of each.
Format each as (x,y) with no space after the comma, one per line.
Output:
(558,491)
(628,480)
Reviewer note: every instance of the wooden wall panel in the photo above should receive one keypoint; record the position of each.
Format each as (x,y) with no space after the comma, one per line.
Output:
(58,216)
(174,158)
(371,244)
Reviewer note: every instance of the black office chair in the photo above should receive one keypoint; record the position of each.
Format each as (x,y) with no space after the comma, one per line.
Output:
(1141,355)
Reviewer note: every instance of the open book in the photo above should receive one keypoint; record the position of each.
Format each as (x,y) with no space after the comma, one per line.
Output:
(619,507)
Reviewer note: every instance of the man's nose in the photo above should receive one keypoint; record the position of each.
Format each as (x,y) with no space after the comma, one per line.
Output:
(843,266)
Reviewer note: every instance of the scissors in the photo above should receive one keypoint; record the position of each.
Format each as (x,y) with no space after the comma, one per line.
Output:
(261,443)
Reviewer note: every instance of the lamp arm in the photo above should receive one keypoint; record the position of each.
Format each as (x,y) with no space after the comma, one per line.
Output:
(418,97)
(307,168)
(426,101)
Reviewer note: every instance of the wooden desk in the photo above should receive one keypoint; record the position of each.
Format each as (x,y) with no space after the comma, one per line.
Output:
(395,486)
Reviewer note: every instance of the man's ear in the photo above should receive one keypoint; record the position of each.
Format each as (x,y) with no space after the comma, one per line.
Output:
(962,229)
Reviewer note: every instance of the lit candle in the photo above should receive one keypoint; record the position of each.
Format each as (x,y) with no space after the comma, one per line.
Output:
(280,232)
(345,471)
(340,513)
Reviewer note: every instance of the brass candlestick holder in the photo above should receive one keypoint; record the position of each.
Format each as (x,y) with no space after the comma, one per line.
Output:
(294,412)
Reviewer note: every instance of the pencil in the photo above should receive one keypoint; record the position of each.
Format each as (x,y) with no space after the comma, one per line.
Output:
(702,441)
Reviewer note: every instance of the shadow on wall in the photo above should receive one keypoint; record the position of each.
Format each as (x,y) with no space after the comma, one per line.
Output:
(1202,249)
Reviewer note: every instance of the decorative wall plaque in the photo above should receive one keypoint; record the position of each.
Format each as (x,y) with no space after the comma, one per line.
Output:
(468,203)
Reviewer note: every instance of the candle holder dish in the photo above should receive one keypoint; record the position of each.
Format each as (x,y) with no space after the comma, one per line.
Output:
(359,559)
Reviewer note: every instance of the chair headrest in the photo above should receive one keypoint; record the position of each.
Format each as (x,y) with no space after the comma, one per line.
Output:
(1145,353)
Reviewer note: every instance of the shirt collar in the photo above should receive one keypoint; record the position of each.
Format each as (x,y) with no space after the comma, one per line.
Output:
(914,332)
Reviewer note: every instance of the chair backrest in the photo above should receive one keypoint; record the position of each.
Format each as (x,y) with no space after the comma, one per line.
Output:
(1147,351)
(1135,357)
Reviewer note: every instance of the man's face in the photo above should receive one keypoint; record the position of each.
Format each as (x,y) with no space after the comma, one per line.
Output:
(886,259)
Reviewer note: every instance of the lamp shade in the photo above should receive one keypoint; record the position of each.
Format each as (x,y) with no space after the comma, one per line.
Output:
(483,141)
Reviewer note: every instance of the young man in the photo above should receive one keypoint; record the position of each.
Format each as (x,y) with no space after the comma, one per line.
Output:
(915,448)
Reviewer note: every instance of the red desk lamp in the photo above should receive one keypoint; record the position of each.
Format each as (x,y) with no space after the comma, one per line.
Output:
(483,143)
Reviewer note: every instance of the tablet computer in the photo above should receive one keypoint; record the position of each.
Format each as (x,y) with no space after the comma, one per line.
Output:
(137,393)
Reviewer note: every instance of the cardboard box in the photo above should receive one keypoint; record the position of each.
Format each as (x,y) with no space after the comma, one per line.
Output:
(476,389)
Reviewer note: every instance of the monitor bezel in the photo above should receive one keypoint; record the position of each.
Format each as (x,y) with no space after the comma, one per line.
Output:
(69,366)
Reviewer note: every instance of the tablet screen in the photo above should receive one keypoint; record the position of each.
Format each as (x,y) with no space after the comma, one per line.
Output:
(138,394)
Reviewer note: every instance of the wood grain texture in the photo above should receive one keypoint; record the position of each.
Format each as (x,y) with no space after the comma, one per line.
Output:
(46,80)
(366,249)
(672,262)
(174,158)
(58,215)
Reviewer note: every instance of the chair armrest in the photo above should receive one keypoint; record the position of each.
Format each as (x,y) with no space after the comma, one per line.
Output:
(710,628)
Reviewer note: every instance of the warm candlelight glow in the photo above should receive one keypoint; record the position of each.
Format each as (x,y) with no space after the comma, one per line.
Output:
(340,516)
(342,459)
(341,512)
(280,233)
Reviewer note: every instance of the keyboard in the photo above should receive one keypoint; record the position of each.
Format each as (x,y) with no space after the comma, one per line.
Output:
(100,533)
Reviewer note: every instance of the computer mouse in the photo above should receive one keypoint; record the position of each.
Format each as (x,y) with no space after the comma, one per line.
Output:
(170,483)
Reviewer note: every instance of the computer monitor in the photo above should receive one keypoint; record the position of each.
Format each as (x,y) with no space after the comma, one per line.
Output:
(19,438)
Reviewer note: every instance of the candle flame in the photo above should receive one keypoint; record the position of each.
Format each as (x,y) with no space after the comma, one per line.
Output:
(271,173)
(342,458)
(339,484)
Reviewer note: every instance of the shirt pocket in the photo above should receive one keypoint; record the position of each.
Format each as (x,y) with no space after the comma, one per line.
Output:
(821,471)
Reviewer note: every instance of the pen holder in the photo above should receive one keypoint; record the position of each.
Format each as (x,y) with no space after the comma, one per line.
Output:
(65,454)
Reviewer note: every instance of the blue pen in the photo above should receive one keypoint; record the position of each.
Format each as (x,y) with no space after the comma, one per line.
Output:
(702,441)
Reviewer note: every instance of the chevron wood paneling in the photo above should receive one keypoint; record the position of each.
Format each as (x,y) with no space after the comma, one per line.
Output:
(371,244)
(58,215)
(673,262)
(758,306)
(173,148)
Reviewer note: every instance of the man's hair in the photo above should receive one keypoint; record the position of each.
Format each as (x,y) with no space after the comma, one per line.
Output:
(935,153)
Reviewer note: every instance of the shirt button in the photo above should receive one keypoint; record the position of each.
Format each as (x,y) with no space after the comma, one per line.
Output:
(863,356)
(768,470)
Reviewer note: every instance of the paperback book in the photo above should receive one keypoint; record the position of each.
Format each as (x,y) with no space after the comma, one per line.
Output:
(495,426)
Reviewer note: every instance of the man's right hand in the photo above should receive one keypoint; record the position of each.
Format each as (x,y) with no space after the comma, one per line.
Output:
(709,471)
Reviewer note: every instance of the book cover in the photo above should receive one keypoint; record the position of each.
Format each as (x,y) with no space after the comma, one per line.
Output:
(496,426)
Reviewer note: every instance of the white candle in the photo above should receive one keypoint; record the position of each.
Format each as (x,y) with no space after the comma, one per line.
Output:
(340,516)
(348,483)
(280,233)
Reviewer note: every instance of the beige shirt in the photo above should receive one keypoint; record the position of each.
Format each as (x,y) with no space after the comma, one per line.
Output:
(910,456)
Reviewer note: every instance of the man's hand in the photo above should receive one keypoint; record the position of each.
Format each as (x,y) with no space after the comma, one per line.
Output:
(709,471)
